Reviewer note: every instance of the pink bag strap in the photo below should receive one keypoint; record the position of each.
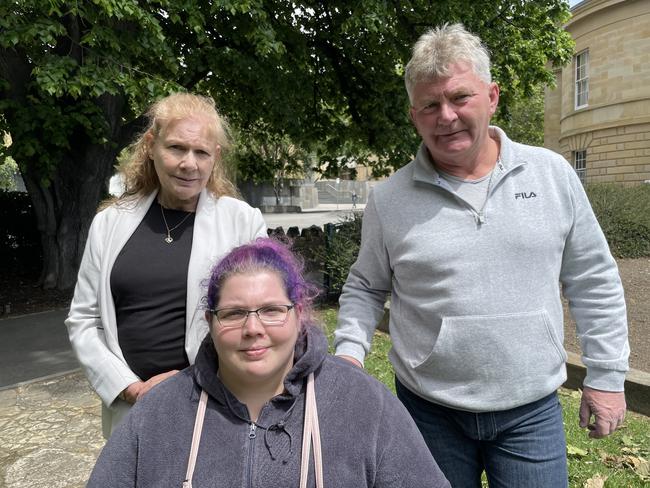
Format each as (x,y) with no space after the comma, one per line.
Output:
(311,431)
(196,439)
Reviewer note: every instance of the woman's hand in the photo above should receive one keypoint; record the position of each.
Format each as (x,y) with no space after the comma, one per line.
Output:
(351,360)
(137,390)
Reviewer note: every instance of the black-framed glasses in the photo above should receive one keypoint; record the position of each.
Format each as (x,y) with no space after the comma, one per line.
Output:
(268,315)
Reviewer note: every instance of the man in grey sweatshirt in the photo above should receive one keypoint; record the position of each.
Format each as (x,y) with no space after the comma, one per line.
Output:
(472,239)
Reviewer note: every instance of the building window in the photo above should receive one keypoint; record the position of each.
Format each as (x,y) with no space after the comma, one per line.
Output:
(582,79)
(580,164)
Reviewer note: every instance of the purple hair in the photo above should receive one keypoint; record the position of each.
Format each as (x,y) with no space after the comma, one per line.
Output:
(265,254)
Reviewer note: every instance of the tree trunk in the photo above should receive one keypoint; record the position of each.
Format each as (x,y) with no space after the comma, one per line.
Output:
(65,208)
(46,222)
(66,204)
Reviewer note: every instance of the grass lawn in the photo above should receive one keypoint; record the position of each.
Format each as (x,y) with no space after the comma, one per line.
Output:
(621,460)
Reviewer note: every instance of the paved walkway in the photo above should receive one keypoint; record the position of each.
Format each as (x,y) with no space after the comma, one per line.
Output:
(321,215)
(34,346)
(50,433)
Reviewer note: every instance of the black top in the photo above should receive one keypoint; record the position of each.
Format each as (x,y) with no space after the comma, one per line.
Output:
(149,287)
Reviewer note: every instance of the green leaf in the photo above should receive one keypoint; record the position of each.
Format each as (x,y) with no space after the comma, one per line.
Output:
(626,440)
(575,451)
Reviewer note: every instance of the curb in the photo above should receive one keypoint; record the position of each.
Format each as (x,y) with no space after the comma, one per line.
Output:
(39,379)
(637,384)
(28,314)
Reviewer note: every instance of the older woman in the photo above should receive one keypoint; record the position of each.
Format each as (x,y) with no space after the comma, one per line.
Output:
(262,386)
(135,318)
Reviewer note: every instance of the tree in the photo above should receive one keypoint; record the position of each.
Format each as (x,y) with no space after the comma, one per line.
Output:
(8,168)
(70,90)
(263,154)
(524,119)
(326,75)
(8,171)
(336,68)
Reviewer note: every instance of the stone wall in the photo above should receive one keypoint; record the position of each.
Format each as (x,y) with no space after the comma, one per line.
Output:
(617,154)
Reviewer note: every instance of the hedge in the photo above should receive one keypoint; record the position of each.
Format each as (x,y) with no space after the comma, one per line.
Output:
(624,215)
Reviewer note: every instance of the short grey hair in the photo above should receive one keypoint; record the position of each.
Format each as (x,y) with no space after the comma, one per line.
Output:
(439,48)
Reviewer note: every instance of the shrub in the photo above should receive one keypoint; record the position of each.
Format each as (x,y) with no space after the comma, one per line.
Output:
(624,215)
(342,241)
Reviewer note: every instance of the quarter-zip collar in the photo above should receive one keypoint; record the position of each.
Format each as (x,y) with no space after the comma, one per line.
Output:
(425,172)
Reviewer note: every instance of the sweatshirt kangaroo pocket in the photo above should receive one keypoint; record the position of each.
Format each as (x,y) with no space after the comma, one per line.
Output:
(489,356)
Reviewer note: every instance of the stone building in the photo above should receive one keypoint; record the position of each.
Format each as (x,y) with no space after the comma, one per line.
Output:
(598,116)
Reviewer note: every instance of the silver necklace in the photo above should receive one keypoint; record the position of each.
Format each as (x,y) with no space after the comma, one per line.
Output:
(169,239)
(481,215)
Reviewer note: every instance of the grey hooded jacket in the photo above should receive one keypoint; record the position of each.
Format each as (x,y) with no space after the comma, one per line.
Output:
(368,438)
(476,318)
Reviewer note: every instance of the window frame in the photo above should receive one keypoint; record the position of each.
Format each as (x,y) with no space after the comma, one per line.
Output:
(580,164)
(581,76)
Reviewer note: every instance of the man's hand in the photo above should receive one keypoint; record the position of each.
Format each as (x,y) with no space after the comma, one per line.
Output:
(137,390)
(352,360)
(607,408)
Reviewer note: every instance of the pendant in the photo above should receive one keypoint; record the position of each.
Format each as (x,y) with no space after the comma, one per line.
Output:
(169,239)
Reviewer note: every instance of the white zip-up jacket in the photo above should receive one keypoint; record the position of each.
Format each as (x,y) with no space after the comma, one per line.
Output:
(220,224)
(476,318)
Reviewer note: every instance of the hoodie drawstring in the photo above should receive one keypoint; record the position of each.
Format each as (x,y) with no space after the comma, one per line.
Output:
(280,427)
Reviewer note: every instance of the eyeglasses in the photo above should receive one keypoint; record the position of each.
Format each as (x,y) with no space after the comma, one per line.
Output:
(269,315)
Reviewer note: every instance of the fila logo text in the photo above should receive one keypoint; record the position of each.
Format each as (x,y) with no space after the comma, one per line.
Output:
(525,195)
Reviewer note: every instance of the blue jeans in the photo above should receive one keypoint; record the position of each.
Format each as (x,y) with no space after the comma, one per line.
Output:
(523,447)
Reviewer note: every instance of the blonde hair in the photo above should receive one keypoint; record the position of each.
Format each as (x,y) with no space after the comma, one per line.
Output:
(138,173)
(437,49)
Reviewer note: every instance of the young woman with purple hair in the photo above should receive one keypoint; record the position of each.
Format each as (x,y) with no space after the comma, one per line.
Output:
(263,387)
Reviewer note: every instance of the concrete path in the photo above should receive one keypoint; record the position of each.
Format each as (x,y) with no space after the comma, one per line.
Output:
(321,215)
(50,433)
(34,346)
